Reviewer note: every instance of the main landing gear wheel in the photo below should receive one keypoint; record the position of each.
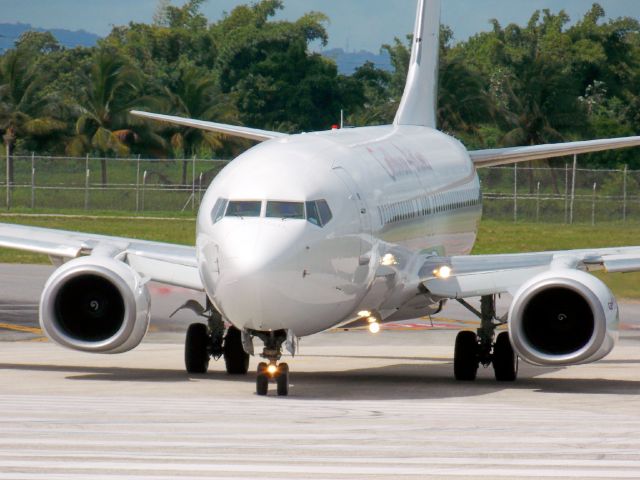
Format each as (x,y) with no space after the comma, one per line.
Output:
(505,361)
(466,362)
(236,359)
(196,351)
(272,372)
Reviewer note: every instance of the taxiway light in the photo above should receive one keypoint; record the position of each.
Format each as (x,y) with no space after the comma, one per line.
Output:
(388,260)
(443,272)
(374,327)
(364,314)
(272,369)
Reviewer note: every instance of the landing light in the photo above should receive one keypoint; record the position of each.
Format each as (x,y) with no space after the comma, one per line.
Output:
(443,272)
(374,327)
(388,260)
(364,314)
(271,369)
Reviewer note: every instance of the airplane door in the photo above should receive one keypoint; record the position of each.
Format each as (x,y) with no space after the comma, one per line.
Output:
(361,206)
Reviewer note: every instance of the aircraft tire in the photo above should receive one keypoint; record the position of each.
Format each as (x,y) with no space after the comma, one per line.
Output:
(465,362)
(282,381)
(196,349)
(505,361)
(236,360)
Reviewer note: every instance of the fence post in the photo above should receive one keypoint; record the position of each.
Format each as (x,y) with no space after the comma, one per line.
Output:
(624,194)
(138,184)
(144,186)
(515,193)
(566,193)
(193,183)
(86,187)
(33,180)
(8,175)
(200,189)
(538,203)
(593,205)
(573,188)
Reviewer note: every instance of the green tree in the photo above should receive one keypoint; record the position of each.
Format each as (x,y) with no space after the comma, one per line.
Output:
(196,94)
(25,113)
(109,92)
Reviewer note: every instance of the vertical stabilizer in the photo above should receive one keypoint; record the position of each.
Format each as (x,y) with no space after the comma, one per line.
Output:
(419,102)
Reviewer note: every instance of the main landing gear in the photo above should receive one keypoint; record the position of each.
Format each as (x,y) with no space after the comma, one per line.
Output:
(204,342)
(478,348)
(271,371)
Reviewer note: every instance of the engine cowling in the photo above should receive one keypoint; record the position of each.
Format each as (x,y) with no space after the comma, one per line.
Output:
(95,304)
(563,317)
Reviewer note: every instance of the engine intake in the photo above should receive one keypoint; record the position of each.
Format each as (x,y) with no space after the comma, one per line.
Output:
(95,304)
(563,317)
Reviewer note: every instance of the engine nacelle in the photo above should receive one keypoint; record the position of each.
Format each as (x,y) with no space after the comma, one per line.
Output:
(95,304)
(563,317)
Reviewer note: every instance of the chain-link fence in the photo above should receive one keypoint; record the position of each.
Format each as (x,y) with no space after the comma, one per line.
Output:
(567,194)
(561,195)
(106,184)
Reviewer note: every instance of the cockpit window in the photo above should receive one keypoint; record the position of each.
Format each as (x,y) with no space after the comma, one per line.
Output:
(319,213)
(325,211)
(312,214)
(218,210)
(244,209)
(293,210)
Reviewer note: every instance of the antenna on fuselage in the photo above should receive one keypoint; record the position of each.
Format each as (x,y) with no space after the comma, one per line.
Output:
(420,98)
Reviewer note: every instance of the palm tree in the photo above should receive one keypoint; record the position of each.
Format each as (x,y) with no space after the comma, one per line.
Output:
(197,95)
(110,91)
(24,111)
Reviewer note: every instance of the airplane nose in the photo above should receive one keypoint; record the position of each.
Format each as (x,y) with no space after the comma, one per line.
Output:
(258,262)
(265,282)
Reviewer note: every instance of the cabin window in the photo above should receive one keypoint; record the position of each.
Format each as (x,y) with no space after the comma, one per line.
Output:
(244,209)
(292,210)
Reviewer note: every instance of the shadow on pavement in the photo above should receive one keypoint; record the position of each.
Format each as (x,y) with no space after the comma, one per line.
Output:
(401,381)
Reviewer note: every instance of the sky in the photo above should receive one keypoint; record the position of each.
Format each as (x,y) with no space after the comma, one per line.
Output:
(355,24)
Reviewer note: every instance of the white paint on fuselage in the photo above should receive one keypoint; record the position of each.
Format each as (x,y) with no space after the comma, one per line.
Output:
(268,274)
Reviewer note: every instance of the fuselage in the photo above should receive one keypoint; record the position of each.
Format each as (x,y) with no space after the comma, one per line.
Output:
(301,233)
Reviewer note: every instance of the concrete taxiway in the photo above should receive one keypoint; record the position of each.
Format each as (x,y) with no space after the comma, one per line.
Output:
(361,406)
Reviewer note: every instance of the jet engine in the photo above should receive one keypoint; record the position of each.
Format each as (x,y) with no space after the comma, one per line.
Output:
(563,317)
(95,304)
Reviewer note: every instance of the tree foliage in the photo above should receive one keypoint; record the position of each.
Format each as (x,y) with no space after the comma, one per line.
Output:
(546,81)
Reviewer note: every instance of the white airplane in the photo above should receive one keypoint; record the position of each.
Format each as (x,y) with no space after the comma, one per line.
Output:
(304,233)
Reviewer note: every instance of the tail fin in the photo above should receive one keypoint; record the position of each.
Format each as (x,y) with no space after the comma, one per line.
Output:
(419,102)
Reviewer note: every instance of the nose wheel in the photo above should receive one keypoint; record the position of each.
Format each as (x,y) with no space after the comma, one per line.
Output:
(272,373)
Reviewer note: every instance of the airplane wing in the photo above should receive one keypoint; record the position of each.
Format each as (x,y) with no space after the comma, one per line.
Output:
(507,156)
(161,262)
(479,275)
(232,130)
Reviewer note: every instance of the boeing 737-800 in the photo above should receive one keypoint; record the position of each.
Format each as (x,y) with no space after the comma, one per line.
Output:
(304,233)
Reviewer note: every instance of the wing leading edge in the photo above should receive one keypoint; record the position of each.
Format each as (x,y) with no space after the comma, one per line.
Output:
(506,156)
(161,262)
(479,275)
(232,130)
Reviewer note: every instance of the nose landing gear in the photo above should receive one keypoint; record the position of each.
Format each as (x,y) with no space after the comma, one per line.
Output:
(271,371)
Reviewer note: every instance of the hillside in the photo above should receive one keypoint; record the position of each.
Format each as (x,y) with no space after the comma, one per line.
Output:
(10,32)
